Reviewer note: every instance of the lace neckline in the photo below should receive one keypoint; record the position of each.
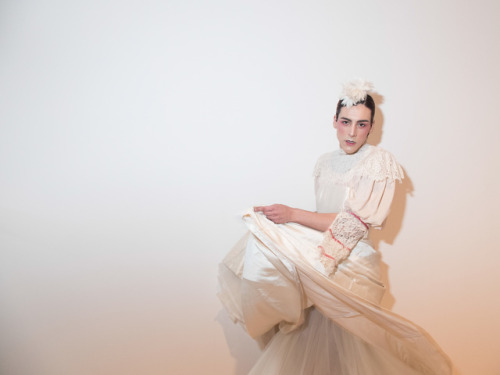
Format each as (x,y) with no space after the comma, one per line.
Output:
(342,162)
(360,150)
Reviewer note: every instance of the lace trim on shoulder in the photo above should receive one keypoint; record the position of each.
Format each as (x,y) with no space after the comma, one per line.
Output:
(379,165)
(373,162)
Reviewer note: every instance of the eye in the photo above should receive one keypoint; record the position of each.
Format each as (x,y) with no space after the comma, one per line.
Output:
(363,124)
(344,122)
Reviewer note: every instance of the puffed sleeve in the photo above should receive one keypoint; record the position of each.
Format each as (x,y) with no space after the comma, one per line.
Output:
(371,200)
(367,205)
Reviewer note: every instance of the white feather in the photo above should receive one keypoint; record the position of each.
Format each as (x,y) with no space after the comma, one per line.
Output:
(355,91)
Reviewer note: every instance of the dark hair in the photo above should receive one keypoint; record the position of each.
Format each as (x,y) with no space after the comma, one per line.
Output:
(368,103)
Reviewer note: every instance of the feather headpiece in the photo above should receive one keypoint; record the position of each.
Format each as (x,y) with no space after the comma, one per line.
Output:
(355,91)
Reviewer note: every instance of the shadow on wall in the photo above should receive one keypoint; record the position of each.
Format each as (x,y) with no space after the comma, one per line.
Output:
(375,136)
(242,347)
(389,232)
(394,222)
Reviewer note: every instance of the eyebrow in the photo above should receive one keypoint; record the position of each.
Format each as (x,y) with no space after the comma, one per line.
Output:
(348,119)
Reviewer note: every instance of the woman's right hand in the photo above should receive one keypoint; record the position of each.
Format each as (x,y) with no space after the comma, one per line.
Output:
(277,213)
(281,214)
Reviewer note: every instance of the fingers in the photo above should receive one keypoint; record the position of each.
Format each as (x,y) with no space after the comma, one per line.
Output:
(266,210)
(277,213)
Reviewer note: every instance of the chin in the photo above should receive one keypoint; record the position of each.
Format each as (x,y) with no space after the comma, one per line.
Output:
(351,150)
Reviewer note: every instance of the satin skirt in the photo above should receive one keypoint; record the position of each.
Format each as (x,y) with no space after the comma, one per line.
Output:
(273,284)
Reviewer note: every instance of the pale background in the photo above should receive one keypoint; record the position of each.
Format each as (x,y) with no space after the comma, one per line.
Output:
(132,133)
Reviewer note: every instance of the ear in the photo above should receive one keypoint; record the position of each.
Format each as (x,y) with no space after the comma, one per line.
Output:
(335,122)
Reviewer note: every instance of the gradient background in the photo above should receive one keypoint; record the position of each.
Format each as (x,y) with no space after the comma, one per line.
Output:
(132,133)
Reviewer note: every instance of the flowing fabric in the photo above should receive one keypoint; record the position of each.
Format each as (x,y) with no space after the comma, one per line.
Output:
(275,281)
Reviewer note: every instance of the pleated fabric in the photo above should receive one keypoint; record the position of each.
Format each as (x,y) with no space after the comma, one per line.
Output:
(324,327)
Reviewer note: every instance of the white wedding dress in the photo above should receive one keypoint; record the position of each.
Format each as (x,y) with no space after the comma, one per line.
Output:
(324,315)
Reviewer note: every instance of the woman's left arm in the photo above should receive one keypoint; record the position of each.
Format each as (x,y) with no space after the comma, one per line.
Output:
(280,214)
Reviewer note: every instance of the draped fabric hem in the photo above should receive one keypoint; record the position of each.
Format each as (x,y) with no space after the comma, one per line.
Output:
(392,339)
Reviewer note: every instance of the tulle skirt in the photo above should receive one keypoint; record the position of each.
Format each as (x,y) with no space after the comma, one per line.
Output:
(320,347)
(272,283)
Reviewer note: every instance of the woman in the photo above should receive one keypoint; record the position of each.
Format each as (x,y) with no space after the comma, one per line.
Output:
(311,280)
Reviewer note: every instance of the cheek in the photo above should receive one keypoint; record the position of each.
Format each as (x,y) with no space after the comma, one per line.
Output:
(340,130)
(366,131)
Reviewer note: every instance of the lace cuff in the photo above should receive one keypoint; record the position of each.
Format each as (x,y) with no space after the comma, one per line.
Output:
(340,238)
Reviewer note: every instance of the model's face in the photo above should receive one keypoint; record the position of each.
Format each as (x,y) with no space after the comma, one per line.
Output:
(353,126)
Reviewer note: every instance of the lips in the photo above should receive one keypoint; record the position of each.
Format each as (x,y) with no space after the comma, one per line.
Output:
(350,142)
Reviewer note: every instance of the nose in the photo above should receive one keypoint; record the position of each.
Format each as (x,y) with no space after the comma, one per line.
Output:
(352,130)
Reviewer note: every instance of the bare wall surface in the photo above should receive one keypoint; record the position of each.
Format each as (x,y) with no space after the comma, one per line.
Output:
(132,133)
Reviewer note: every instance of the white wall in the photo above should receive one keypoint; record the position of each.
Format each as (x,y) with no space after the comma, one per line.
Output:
(133,132)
